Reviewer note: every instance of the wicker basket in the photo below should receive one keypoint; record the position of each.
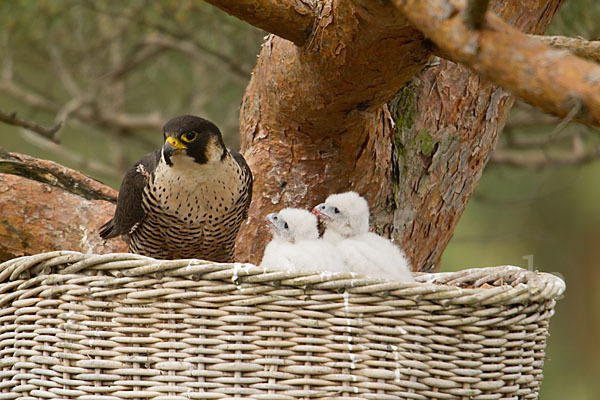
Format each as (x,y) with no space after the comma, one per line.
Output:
(122,326)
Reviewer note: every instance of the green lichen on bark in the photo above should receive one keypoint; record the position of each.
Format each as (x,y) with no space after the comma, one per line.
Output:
(425,142)
(403,109)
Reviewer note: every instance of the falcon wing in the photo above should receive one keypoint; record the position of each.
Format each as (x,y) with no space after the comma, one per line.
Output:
(129,210)
(248,181)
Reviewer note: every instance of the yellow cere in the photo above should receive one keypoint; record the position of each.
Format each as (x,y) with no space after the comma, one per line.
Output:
(175,143)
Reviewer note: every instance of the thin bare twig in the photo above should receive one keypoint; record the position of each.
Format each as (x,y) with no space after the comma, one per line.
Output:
(573,158)
(534,141)
(195,51)
(542,158)
(48,133)
(55,175)
(63,72)
(81,161)
(119,121)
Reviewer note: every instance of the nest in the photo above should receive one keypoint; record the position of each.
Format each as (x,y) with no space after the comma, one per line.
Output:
(123,326)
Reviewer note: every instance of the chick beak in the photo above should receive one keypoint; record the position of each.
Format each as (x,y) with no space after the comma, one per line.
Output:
(271,220)
(320,211)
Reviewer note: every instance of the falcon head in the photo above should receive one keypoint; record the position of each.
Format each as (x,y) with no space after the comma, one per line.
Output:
(192,137)
(345,213)
(293,224)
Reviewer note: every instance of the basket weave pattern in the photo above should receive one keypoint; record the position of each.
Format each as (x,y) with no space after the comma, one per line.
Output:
(122,326)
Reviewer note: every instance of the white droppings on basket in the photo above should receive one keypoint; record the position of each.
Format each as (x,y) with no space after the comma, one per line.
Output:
(432,278)
(395,350)
(354,388)
(402,330)
(346,301)
(352,281)
(236,269)
(352,358)
(396,358)
(191,262)
(325,275)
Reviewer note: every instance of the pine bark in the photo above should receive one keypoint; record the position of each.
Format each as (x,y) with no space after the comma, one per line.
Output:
(45,206)
(349,110)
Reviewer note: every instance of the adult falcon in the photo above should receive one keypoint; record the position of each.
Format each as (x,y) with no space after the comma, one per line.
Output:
(185,200)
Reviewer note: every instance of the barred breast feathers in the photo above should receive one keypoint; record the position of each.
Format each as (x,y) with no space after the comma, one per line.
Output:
(194,192)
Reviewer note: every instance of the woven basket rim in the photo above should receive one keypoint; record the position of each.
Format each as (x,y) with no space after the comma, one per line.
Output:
(501,285)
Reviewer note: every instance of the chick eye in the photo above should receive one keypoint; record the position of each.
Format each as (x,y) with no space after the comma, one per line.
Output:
(336,210)
(285,225)
(189,136)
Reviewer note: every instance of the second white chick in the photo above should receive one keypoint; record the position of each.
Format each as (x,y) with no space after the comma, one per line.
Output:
(296,245)
(346,216)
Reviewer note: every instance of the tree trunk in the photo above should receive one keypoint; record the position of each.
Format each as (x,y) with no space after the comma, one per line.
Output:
(343,110)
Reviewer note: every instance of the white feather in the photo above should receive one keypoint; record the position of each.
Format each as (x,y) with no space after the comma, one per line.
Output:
(347,219)
(295,244)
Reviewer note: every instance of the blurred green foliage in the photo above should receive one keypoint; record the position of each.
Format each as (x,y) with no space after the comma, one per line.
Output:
(546,219)
(139,59)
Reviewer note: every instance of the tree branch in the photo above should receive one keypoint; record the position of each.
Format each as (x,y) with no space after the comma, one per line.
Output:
(55,175)
(49,133)
(118,121)
(550,79)
(81,161)
(589,49)
(289,19)
(195,51)
(573,158)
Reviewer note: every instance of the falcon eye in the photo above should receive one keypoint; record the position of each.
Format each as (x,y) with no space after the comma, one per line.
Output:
(189,136)
(285,225)
(336,210)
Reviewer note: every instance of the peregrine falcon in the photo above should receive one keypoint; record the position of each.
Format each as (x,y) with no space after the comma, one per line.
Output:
(185,200)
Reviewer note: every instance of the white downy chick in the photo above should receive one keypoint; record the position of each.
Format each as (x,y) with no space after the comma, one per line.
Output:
(296,244)
(346,216)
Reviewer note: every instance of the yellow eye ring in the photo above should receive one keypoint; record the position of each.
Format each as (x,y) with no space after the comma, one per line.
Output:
(189,136)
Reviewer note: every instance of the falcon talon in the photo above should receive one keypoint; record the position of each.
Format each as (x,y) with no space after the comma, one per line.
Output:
(167,206)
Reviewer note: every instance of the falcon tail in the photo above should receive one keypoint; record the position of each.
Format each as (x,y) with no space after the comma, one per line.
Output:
(108,231)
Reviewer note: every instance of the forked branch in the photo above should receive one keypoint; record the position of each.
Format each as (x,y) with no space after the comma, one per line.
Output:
(49,133)
(548,78)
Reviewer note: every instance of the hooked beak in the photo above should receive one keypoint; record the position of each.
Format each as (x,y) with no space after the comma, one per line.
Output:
(172,146)
(319,211)
(271,220)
